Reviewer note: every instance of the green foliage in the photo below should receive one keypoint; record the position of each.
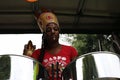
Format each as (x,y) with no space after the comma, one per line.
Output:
(86,43)
(4,67)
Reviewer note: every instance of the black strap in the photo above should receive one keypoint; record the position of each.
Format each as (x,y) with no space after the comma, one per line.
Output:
(41,71)
(41,57)
(42,50)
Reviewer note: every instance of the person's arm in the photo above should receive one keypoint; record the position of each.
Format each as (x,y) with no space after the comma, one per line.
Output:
(74,53)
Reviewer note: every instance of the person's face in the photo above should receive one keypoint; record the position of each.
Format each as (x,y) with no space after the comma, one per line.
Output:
(52,32)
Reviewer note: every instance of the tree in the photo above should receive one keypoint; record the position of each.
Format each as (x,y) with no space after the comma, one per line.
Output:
(4,67)
(86,43)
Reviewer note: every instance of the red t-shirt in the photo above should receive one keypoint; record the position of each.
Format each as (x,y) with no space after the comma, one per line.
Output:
(59,60)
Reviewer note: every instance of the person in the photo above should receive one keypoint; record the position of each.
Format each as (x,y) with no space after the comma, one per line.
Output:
(53,55)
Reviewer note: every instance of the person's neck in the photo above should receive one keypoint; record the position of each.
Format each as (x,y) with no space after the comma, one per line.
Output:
(53,48)
(53,45)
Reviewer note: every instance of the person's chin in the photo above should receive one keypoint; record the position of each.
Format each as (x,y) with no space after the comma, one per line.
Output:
(54,39)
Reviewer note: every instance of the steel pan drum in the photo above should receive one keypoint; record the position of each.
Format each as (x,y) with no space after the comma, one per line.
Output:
(18,67)
(100,65)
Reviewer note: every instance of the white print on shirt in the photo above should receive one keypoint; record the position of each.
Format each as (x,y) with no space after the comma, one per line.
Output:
(61,60)
(51,64)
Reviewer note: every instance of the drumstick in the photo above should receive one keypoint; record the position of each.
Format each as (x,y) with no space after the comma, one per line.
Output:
(57,70)
(52,71)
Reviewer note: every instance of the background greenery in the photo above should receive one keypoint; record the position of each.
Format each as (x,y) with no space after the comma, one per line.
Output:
(86,43)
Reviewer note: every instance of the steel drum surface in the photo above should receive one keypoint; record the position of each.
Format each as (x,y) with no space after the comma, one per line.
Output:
(102,65)
(19,67)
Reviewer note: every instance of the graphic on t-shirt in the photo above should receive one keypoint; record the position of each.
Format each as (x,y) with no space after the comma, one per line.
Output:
(55,65)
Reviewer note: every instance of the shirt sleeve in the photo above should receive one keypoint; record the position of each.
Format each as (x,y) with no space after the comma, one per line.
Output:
(36,54)
(74,53)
